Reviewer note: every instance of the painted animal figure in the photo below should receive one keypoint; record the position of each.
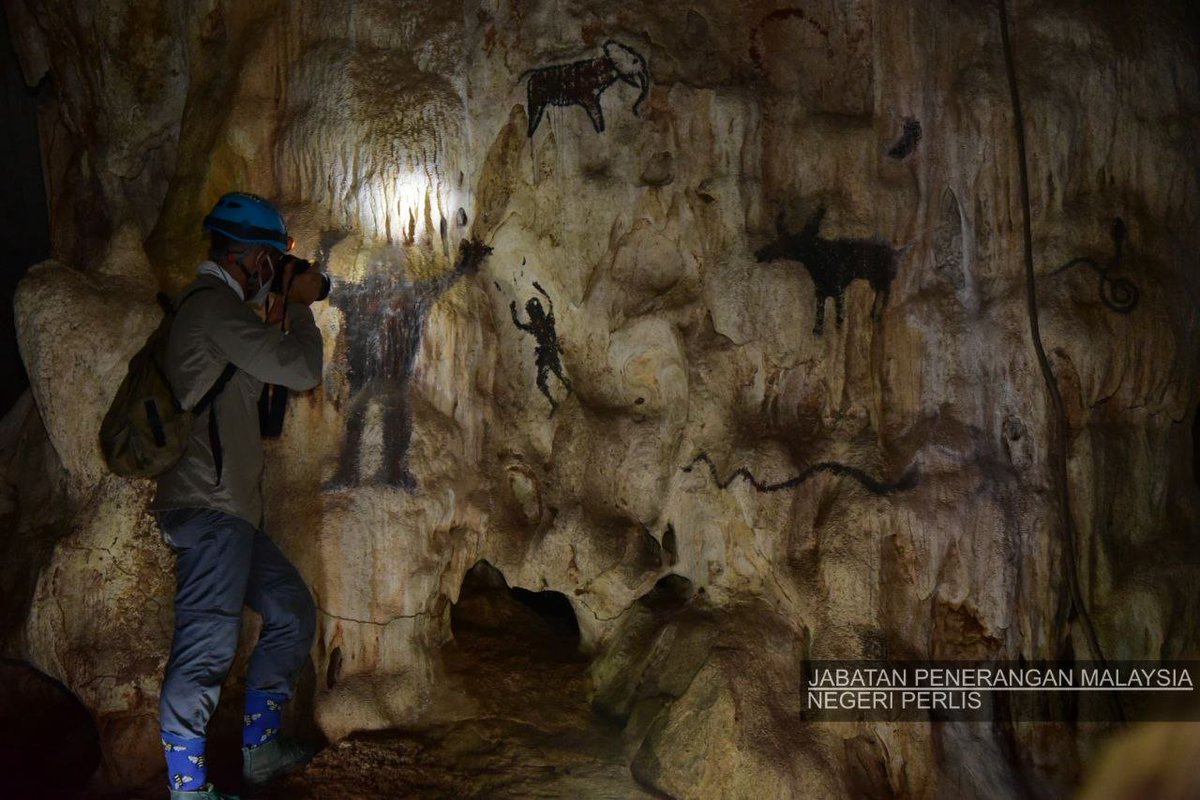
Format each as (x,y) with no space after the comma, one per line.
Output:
(581,83)
(834,263)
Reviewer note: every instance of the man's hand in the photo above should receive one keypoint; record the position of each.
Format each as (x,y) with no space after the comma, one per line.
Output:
(304,288)
(470,256)
(275,309)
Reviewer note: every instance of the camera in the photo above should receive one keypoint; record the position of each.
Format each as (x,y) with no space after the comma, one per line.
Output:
(299,265)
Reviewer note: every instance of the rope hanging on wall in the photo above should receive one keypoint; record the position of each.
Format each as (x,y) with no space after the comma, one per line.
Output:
(1059,422)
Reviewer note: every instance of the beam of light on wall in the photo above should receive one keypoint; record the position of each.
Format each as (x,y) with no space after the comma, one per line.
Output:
(410,194)
(406,207)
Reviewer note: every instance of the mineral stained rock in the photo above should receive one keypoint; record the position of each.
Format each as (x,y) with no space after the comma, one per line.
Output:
(388,131)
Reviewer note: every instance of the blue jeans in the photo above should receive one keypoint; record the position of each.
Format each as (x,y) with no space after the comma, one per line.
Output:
(222,563)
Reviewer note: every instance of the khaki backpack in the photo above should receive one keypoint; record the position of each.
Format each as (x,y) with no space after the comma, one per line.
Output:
(146,430)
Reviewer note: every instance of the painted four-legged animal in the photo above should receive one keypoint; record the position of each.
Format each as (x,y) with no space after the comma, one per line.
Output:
(581,83)
(834,263)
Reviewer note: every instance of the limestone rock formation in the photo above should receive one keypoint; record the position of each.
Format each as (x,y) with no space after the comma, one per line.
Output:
(622,328)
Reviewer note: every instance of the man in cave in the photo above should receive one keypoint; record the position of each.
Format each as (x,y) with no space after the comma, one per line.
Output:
(209,504)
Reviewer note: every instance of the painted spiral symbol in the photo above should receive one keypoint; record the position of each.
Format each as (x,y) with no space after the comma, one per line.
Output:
(1119,294)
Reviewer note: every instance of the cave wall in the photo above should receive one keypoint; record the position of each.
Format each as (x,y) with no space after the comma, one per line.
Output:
(24,227)
(388,131)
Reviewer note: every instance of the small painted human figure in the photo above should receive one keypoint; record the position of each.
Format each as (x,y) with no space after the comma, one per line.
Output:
(541,326)
(384,322)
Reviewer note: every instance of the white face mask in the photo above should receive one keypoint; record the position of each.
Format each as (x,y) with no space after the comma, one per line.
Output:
(260,296)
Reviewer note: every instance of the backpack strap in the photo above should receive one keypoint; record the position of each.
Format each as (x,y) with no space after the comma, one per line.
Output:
(170,309)
(214,444)
(226,374)
(214,433)
(173,308)
(215,390)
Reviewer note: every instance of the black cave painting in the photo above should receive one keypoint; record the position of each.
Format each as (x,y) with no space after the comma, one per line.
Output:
(907,481)
(327,240)
(581,83)
(384,317)
(756,48)
(541,326)
(908,141)
(1119,294)
(834,263)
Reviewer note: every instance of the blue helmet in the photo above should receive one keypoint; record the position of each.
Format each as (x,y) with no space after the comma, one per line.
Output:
(249,218)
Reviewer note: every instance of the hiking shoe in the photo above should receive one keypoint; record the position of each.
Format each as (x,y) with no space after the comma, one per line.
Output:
(277,757)
(209,792)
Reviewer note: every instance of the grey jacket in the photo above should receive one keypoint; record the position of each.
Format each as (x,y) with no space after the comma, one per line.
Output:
(214,328)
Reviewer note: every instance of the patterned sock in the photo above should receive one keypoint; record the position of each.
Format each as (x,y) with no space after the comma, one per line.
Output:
(264,712)
(186,770)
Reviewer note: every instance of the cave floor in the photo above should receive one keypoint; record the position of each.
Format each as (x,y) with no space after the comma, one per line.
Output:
(534,735)
(477,758)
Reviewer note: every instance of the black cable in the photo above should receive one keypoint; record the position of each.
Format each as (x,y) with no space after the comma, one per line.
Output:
(1058,425)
